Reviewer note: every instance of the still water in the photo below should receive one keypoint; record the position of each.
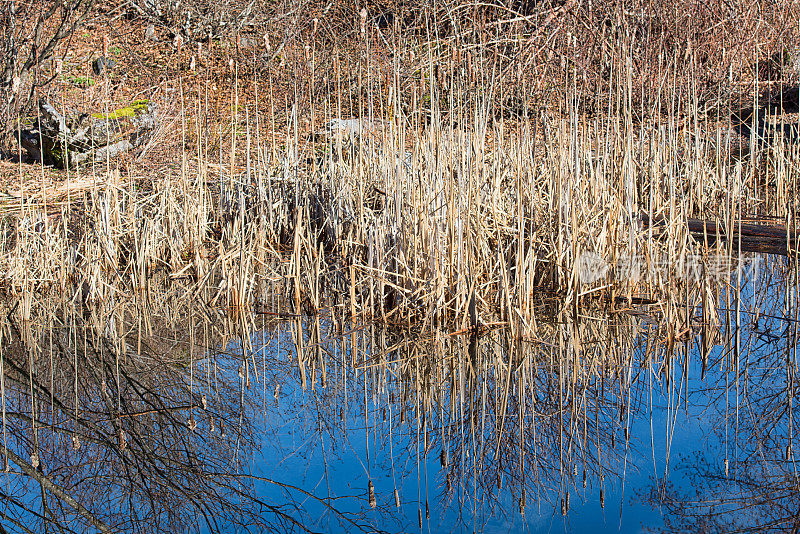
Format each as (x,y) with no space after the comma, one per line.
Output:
(640,444)
(611,418)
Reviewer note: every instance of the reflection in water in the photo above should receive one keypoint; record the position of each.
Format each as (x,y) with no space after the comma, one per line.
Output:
(142,418)
(748,480)
(116,438)
(512,421)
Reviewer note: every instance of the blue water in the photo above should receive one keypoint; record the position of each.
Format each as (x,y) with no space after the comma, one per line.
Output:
(662,441)
(696,458)
(334,466)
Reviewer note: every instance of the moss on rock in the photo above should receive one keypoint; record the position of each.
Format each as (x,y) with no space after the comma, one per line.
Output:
(131,110)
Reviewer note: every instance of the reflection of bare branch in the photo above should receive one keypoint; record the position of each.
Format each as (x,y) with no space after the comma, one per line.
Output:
(748,482)
(29,470)
(323,502)
(165,438)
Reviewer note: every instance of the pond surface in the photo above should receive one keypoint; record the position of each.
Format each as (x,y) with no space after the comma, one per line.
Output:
(604,419)
(452,435)
(334,462)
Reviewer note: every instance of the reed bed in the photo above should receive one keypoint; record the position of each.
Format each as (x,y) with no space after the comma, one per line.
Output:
(463,267)
(452,226)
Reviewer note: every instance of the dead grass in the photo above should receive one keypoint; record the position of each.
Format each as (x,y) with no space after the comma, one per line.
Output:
(494,204)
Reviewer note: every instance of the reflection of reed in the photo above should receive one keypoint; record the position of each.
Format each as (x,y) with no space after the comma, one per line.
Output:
(532,419)
(537,421)
(163,394)
(748,482)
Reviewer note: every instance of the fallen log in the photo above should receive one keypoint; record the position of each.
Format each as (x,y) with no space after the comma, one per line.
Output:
(63,141)
(744,237)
